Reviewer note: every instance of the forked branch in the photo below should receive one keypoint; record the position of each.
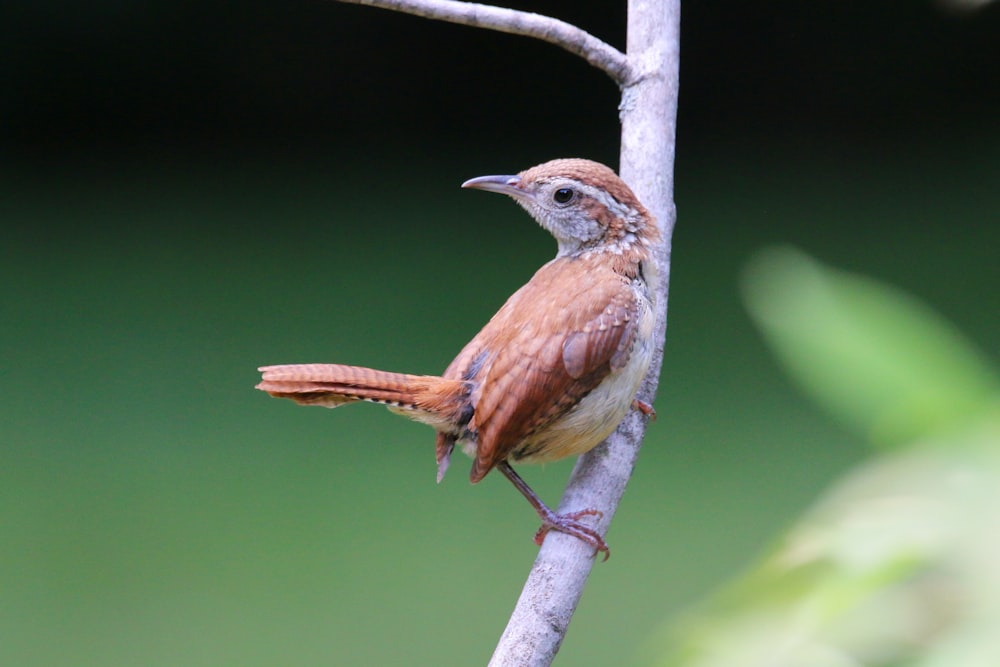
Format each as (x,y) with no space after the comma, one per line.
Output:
(648,111)
(598,53)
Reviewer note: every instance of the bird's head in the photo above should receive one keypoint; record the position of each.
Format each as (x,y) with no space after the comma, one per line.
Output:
(582,203)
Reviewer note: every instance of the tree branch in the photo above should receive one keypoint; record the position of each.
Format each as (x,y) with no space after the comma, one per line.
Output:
(648,77)
(578,42)
(648,113)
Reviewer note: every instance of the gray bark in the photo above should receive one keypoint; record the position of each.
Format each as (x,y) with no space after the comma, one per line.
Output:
(648,78)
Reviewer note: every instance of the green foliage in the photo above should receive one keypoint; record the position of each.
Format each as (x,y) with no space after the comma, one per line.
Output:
(897,564)
(869,353)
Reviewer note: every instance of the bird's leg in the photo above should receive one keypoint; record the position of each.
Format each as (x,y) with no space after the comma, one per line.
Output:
(564,523)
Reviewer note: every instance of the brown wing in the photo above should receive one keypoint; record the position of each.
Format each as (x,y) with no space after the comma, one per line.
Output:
(552,343)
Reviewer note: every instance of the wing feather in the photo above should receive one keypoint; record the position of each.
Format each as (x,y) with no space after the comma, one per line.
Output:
(544,351)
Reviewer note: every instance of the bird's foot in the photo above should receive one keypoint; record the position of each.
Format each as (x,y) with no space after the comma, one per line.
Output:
(569,523)
(565,523)
(645,408)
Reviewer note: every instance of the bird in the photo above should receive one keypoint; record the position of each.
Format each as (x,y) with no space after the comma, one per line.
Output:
(558,367)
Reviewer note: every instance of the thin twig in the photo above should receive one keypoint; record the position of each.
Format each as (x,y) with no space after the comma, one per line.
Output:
(598,53)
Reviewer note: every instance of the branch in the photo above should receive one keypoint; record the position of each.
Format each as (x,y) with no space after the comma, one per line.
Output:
(648,114)
(578,42)
(648,77)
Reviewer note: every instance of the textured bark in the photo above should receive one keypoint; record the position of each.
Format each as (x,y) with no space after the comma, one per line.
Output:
(648,113)
(648,78)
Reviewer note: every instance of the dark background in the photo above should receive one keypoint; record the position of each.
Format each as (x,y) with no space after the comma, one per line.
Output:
(190,190)
(172,81)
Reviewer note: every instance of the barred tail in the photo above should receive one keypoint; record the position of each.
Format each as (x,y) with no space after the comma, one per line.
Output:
(425,398)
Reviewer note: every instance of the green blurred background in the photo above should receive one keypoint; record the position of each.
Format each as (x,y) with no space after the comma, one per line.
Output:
(190,191)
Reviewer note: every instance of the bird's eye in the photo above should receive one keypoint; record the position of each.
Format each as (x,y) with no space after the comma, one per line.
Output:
(563,195)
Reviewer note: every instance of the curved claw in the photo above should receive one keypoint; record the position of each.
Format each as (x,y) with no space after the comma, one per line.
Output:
(645,408)
(565,523)
(569,524)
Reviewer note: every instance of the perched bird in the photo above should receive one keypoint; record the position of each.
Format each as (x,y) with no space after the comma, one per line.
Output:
(557,368)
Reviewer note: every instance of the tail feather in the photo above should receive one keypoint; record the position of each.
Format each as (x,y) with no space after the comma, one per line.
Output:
(426,398)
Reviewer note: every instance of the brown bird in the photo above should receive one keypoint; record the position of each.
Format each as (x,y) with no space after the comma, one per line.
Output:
(557,368)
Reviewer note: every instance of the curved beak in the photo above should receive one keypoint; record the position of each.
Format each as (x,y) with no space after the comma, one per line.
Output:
(505,185)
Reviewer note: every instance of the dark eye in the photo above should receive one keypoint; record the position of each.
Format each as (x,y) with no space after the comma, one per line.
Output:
(563,195)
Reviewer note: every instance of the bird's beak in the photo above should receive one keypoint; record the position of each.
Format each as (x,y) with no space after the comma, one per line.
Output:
(505,185)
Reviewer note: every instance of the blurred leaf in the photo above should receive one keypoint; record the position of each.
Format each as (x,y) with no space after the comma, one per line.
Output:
(896,566)
(869,353)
